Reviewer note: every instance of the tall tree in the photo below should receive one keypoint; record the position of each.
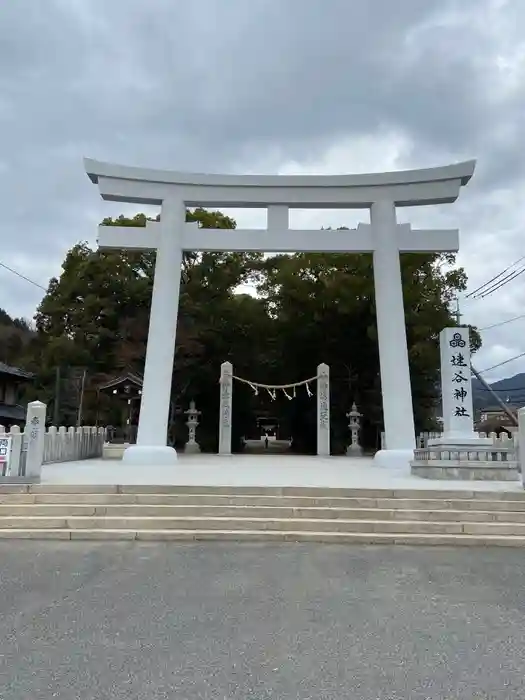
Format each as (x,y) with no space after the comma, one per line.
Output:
(325,308)
(16,338)
(311,308)
(96,315)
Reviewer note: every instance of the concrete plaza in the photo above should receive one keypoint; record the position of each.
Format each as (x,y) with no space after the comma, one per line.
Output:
(259,470)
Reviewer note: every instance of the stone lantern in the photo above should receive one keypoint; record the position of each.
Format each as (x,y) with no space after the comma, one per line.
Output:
(354,425)
(192,423)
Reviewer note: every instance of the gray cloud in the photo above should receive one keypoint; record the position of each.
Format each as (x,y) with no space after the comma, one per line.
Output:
(221,86)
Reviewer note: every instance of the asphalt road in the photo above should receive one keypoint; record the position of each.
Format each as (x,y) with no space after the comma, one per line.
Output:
(256,622)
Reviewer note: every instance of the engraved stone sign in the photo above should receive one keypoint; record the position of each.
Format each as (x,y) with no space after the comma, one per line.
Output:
(225,426)
(35,431)
(456,382)
(323,410)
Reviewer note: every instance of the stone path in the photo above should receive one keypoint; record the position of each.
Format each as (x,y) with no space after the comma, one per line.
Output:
(257,622)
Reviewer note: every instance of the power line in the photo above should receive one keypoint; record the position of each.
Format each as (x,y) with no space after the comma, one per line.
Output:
(482,288)
(502,323)
(501,283)
(19,274)
(502,363)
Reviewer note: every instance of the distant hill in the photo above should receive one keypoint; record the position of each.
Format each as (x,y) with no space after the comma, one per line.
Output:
(511,389)
(15,336)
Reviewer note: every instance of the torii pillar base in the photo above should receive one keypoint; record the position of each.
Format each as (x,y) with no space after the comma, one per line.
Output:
(394,459)
(150,456)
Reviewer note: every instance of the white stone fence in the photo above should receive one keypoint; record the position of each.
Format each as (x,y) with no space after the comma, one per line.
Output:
(422,439)
(71,444)
(59,445)
(440,454)
(497,463)
(23,452)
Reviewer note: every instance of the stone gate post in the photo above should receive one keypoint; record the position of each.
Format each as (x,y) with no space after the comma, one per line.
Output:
(323,410)
(225,419)
(35,434)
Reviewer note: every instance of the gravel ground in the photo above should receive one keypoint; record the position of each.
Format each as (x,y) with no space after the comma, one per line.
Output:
(255,622)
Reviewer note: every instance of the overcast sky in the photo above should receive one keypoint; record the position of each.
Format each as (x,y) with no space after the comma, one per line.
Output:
(270,86)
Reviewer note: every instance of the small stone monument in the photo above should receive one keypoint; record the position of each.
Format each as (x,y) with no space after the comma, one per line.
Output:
(192,446)
(35,430)
(354,449)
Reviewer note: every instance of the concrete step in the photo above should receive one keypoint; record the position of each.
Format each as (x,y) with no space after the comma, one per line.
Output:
(263,514)
(233,500)
(356,538)
(67,510)
(294,491)
(262,524)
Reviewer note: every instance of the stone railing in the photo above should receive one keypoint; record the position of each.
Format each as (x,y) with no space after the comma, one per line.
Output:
(496,454)
(23,452)
(423,438)
(71,444)
(497,463)
(60,445)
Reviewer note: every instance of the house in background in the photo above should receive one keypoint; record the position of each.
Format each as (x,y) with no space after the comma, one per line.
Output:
(494,419)
(11,379)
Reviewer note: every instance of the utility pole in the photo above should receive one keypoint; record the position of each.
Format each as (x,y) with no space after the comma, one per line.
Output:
(81,401)
(457,312)
(56,403)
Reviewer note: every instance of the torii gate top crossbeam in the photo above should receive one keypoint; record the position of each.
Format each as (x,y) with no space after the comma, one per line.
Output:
(404,188)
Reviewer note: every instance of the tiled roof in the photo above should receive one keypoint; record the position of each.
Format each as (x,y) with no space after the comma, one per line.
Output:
(11,412)
(130,378)
(15,371)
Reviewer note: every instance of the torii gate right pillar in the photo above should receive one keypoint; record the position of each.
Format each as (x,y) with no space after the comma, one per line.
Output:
(398,413)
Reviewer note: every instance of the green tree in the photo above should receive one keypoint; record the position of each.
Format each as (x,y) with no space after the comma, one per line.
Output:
(16,338)
(95,316)
(325,310)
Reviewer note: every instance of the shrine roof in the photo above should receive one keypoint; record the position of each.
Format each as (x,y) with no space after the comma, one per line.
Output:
(129,378)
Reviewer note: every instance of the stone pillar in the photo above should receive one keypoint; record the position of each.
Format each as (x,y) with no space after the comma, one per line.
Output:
(35,434)
(456,391)
(354,425)
(192,445)
(398,413)
(456,383)
(225,425)
(323,410)
(151,447)
(521,443)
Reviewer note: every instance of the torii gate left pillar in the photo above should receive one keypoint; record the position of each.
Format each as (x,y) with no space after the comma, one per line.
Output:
(156,388)
(381,193)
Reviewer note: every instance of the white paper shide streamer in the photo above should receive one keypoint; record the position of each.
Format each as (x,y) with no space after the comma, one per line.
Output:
(273,389)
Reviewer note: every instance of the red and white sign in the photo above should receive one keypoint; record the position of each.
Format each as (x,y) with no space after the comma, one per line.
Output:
(5,455)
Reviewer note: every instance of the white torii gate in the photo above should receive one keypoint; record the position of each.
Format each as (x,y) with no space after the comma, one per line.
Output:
(381,193)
